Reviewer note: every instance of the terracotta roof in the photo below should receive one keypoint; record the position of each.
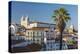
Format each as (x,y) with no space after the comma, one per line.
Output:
(42,22)
(38,28)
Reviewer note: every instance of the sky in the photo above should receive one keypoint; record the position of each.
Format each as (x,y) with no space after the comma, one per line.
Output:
(41,12)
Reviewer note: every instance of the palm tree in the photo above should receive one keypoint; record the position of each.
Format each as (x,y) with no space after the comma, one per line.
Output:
(61,16)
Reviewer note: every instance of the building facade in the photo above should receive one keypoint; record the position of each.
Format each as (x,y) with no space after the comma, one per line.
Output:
(37,31)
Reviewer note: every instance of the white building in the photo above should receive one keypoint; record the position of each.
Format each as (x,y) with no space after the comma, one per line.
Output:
(37,30)
(13,28)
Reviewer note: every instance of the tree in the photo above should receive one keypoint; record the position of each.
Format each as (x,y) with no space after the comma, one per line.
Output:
(71,42)
(61,16)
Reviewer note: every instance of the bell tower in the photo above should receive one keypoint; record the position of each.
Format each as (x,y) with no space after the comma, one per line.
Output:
(24,21)
(71,29)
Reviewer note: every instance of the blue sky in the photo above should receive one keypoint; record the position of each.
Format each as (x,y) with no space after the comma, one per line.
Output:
(42,12)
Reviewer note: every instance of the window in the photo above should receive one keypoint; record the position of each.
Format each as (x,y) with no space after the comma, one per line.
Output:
(23,19)
(31,39)
(38,40)
(28,33)
(57,45)
(36,33)
(40,33)
(31,34)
